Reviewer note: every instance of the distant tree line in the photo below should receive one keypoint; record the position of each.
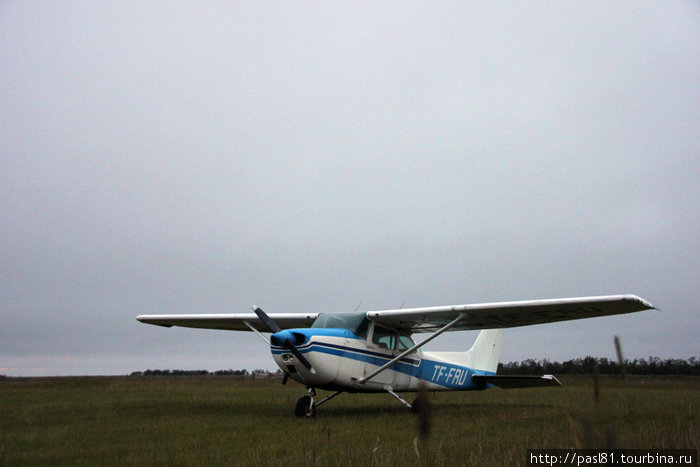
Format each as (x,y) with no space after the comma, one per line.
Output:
(577,366)
(587,365)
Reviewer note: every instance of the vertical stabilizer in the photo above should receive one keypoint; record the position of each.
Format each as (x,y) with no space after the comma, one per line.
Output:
(486,350)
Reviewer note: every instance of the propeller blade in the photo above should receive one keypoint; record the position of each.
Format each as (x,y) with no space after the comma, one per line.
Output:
(271,325)
(301,358)
(274,328)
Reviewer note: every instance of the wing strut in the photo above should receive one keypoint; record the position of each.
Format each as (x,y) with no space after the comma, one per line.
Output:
(406,352)
(256,332)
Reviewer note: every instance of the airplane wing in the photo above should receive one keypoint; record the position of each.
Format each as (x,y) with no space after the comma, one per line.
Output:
(517,381)
(508,314)
(413,320)
(231,322)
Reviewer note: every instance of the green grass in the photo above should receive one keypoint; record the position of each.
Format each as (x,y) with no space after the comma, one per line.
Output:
(229,420)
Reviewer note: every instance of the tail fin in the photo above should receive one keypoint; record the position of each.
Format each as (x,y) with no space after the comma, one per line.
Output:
(486,350)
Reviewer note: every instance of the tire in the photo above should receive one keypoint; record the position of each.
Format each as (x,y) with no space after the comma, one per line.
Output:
(420,405)
(305,407)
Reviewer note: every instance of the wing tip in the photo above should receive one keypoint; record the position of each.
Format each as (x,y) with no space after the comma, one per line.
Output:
(636,298)
(147,319)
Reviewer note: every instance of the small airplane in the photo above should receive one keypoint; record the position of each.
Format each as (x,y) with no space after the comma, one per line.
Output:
(373,351)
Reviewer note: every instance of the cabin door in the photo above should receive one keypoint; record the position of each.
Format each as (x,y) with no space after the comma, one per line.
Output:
(382,343)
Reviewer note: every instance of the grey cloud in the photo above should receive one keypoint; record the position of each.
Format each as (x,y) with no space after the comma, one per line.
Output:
(196,157)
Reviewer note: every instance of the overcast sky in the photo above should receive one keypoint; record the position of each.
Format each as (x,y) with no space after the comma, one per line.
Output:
(187,157)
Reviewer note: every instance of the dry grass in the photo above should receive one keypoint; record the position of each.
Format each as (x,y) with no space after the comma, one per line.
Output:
(227,420)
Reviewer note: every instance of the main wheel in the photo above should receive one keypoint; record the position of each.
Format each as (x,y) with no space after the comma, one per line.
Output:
(305,407)
(420,406)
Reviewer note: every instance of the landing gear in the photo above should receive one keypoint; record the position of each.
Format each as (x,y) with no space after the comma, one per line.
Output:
(421,405)
(305,406)
(399,398)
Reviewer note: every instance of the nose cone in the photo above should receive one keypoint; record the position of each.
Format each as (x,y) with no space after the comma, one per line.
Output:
(287,338)
(282,338)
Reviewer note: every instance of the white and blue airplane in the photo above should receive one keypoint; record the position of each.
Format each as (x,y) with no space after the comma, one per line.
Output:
(373,351)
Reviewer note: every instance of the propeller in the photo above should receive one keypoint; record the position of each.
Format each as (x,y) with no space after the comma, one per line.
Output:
(282,338)
(271,325)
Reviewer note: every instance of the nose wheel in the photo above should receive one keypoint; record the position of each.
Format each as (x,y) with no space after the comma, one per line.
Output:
(305,406)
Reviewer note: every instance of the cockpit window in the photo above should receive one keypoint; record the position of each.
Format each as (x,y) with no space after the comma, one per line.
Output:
(384,338)
(388,339)
(356,323)
(405,343)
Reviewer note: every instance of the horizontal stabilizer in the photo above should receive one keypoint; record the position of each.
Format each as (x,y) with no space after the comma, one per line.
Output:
(516,382)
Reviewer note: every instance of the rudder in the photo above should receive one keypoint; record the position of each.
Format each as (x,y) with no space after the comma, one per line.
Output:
(486,351)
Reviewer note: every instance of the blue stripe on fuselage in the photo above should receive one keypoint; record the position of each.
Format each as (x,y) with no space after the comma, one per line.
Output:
(331,332)
(444,374)
(375,358)
(450,375)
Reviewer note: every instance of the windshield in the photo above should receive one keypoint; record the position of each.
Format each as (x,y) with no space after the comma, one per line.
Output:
(356,323)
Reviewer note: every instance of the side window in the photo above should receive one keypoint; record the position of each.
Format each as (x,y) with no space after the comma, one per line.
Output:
(405,343)
(384,338)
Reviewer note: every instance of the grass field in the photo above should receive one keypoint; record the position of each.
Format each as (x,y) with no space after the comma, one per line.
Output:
(229,420)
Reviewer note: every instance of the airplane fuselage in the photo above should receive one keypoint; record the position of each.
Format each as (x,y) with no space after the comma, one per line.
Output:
(340,358)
